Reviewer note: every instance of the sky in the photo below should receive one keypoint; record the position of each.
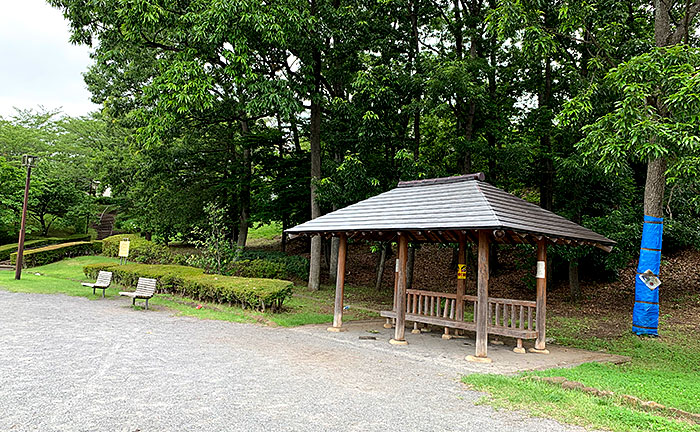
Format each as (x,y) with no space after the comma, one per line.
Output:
(38,64)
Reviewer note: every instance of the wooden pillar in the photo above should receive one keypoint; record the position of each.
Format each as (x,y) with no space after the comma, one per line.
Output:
(340,285)
(388,324)
(461,283)
(401,293)
(483,300)
(541,317)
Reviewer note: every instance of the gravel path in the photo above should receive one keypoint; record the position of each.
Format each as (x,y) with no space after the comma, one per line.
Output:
(71,364)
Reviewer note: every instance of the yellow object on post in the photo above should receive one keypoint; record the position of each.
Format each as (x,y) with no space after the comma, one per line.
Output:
(124,250)
(461,271)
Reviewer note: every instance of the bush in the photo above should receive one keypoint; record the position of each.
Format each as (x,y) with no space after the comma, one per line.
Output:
(49,254)
(8,249)
(260,294)
(264,264)
(140,249)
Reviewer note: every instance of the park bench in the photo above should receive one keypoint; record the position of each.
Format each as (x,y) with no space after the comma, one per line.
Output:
(104,279)
(145,288)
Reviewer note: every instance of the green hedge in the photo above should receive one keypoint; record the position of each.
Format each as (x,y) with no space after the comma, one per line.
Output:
(140,249)
(260,294)
(268,264)
(49,254)
(8,249)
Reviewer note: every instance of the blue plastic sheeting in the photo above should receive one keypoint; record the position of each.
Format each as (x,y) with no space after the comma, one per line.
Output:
(645,319)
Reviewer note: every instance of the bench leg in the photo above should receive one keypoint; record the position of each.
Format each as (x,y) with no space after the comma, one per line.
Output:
(133,301)
(93,290)
(103,292)
(146,304)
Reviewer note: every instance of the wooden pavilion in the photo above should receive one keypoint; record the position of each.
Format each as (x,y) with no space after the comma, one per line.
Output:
(455,210)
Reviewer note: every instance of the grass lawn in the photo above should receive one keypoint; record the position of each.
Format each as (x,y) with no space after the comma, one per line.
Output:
(63,277)
(665,370)
(268,231)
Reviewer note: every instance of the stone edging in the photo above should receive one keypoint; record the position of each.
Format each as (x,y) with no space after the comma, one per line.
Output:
(634,400)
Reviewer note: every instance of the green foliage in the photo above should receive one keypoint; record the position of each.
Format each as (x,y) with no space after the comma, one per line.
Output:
(140,249)
(264,264)
(625,229)
(6,250)
(636,129)
(261,294)
(217,250)
(57,252)
(63,182)
(208,103)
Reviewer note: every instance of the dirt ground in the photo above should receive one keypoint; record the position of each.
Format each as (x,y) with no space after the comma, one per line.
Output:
(608,303)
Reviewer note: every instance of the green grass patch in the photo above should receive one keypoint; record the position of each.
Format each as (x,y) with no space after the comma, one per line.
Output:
(64,277)
(571,406)
(30,283)
(71,268)
(267,231)
(664,370)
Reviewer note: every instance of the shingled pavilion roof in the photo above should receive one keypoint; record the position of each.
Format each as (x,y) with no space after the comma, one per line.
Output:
(435,210)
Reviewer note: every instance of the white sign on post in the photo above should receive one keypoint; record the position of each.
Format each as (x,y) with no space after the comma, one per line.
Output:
(540,270)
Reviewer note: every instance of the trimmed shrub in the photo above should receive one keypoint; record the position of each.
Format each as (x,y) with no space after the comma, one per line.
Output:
(140,249)
(263,264)
(8,249)
(49,254)
(259,294)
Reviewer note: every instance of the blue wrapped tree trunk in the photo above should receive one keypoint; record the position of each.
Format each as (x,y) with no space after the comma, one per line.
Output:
(645,319)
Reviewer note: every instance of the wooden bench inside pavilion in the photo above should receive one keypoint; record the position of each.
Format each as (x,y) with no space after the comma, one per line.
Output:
(457,210)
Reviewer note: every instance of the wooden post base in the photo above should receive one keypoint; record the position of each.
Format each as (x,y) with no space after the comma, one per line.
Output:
(387,324)
(447,336)
(397,342)
(476,359)
(336,329)
(519,350)
(415,331)
(539,351)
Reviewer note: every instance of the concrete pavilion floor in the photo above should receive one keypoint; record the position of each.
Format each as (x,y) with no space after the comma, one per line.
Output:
(430,346)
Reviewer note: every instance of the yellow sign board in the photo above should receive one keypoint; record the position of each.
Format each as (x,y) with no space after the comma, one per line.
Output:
(461,271)
(124,248)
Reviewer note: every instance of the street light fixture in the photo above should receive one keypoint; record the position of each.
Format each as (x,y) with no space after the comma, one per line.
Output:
(29,162)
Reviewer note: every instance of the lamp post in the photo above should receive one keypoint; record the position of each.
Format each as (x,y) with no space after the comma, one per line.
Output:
(29,162)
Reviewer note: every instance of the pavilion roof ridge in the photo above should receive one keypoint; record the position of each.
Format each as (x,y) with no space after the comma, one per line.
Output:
(442,180)
(488,204)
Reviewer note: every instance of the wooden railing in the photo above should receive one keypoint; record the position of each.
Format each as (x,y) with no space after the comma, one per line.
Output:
(506,317)
(431,303)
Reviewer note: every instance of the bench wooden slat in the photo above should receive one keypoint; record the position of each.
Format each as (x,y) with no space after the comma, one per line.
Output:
(145,289)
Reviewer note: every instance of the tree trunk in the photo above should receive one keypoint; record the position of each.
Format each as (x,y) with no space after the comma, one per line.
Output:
(493,258)
(283,242)
(381,265)
(315,143)
(574,284)
(245,189)
(415,52)
(546,162)
(654,187)
(333,264)
(409,266)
